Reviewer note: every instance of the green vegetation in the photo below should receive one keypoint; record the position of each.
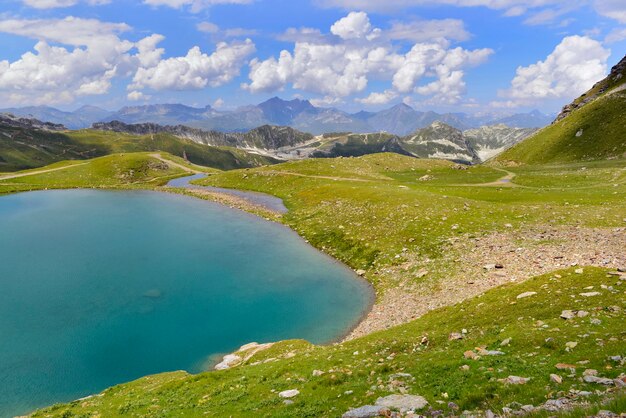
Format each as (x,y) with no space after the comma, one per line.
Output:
(375,212)
(418,357)
(395,217)
(138,170)
(29,148)
(593,132)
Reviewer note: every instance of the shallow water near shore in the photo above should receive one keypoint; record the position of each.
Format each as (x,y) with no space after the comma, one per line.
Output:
(102,287)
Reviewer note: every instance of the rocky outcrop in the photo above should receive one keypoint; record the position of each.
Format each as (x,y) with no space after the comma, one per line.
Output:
(7,119)
(440,141)
(614,79)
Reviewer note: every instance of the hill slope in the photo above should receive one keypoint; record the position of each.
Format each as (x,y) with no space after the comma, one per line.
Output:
(24,146)
(593,127)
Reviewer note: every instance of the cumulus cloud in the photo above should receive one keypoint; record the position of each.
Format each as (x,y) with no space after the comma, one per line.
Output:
(137,95)
(571,69)
(379,98)
(76,57)
(354,26)
(196,70)
(343,66)
(55,74)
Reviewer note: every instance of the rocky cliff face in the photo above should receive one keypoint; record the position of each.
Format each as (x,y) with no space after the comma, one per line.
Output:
(440,141)
(616,80)
(489,141)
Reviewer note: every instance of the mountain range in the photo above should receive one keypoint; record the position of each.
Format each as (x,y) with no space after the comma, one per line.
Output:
(299,114)
(438,140)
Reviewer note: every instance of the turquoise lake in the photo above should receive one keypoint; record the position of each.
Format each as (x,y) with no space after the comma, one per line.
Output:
(102,287)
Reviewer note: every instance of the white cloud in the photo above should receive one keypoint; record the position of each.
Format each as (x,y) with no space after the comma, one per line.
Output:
(207,27)
(218,103)
(309,35)
(541,11)
(354,26)
(343,66)
(196,70)
(212,28)
(53,4)
(614,9)
(379,98)
(195,5)
(91,55)
(70,30)
(137,95)
(616,35)
(428,30)
(55,74)
(514,7)
(571,69)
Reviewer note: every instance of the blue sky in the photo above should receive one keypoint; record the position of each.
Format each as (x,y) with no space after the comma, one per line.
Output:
(451,55)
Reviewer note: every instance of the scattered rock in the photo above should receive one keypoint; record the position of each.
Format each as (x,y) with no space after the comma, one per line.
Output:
(289,393)
(590,372)
(599,380)
(589,294)
(427,177)
(505,342)
(367,411)
(570,345)
(421,273)
(582,314)
(361,272)
(317,373)
(525,295)
(556,378)
(228,361)
(469,354)
(455,336)
(567,314)
(484,352)
(514,380)
(565,366)
(579,271)
(403,403)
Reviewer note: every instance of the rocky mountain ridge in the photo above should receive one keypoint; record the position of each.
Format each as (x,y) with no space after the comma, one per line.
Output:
(10,120)
(400,119)
(262,138)
(438,140)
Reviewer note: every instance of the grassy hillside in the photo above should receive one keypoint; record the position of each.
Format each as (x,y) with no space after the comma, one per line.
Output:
(422,231)
(419,358)
(595,131)
(28,148)
(138,170)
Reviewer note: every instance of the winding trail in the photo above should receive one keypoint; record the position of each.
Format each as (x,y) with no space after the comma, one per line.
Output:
(175,164)
(32,173)
(290,173)
(506,181)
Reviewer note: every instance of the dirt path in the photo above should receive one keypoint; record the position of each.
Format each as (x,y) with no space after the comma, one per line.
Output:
(32,173)
(506,181)
(175,164)
(290,173)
